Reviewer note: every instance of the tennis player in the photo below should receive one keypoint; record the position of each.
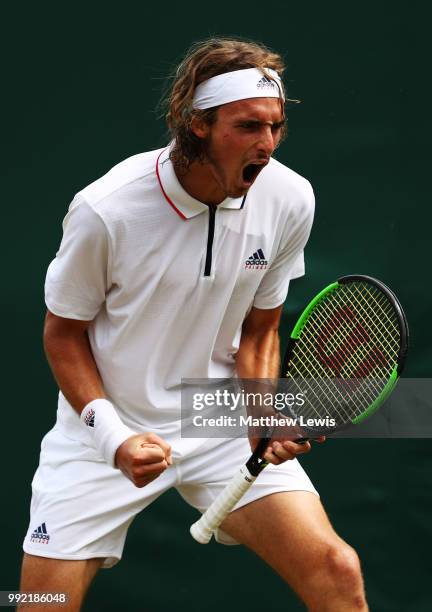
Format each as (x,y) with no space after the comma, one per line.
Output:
(175,264)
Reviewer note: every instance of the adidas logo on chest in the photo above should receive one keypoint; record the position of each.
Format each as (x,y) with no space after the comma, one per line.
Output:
(257,261)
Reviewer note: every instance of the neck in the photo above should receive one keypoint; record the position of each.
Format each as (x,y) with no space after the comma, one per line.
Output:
(200,183)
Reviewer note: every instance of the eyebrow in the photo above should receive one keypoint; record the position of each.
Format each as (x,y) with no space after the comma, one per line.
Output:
(257,122)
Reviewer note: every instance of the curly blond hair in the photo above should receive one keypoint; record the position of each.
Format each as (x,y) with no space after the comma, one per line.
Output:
(204,60)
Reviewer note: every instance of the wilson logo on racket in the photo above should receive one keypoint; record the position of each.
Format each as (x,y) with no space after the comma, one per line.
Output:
(353,341)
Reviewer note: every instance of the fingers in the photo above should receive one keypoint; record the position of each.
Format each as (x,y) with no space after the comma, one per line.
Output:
(280,451)
(143,474)
(152,438)
(146,454)
(143,457)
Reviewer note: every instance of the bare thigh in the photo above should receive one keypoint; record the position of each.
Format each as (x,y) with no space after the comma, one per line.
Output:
(56,575)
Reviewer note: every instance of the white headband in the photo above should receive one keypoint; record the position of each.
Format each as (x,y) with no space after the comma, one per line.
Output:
(237,85)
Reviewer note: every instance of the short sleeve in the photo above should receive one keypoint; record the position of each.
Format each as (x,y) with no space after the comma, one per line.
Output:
(289,260)
(77,279)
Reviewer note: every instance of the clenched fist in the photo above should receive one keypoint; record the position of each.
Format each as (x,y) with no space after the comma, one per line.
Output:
(142,458)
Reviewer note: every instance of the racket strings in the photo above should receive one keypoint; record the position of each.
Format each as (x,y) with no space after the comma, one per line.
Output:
(323,398)
(383,305)
(340,356)
(342,342)
(366,322)
(322,374)
(317,380)
(330,310)
(372,316)
(357,330)
(348,351)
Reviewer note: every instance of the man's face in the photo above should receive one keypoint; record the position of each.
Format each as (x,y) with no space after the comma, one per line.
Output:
(241,141)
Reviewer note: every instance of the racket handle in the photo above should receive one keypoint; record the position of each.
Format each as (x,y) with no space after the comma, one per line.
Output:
(204,528)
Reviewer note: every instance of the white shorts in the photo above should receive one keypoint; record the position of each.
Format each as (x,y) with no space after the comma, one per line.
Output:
(81,507)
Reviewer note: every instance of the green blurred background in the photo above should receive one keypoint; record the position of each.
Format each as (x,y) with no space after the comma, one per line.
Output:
(80,85)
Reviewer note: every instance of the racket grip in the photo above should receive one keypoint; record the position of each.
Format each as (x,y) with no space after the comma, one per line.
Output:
(204,528)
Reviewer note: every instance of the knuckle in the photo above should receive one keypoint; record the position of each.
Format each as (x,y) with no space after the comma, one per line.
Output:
(275,460)
(154,469)
(160,468)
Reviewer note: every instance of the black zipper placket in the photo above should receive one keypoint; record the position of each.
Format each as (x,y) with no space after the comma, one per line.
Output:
(210,237)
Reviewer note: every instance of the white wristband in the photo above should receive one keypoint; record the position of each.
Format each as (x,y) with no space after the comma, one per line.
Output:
(106,428)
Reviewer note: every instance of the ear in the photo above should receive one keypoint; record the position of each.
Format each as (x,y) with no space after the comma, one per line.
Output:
(200,127)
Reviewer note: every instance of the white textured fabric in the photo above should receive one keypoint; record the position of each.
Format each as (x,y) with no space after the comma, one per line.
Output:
(104,425)
(86,506)
(237,85)
(132,260)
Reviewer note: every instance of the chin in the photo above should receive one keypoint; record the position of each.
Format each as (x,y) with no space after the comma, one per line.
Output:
(237,193)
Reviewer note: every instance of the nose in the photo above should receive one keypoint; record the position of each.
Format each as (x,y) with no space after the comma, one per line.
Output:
(267,142)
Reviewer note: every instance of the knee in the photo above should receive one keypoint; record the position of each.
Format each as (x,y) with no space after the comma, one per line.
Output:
(343,563)
(343,567)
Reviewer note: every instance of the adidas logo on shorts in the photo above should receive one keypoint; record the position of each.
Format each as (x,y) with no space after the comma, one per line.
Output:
(40,535)
(256,261)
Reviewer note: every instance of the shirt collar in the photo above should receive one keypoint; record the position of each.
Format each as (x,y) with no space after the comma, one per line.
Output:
(184,204)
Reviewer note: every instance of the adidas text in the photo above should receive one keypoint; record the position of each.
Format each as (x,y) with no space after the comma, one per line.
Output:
(40,535)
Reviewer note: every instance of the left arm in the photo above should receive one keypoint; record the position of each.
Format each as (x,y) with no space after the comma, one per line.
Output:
(258,354)
(259,357)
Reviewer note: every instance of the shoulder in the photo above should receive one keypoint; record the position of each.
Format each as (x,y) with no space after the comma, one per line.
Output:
(120,182)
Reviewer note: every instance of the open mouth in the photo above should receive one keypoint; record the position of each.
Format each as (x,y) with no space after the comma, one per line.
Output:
(251,171)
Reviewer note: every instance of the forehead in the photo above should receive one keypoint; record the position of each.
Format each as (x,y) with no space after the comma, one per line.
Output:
(260,109)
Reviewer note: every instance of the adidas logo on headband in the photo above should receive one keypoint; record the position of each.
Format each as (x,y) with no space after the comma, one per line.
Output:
(238,85)
(265,82)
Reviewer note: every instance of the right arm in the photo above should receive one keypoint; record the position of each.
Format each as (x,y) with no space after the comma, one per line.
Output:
(69,355)
(141,457)
(76,286)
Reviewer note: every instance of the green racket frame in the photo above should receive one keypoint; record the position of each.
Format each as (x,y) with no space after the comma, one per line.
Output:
(403,329)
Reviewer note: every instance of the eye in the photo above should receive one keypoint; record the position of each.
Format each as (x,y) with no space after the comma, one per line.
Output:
(249,126)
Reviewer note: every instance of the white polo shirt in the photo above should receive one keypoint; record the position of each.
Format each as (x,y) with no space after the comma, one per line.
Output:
(167,281)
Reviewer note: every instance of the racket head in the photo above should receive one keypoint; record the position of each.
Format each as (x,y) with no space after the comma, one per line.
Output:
(350,346)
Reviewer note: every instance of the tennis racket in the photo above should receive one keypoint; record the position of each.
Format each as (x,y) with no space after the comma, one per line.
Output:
(348,349)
